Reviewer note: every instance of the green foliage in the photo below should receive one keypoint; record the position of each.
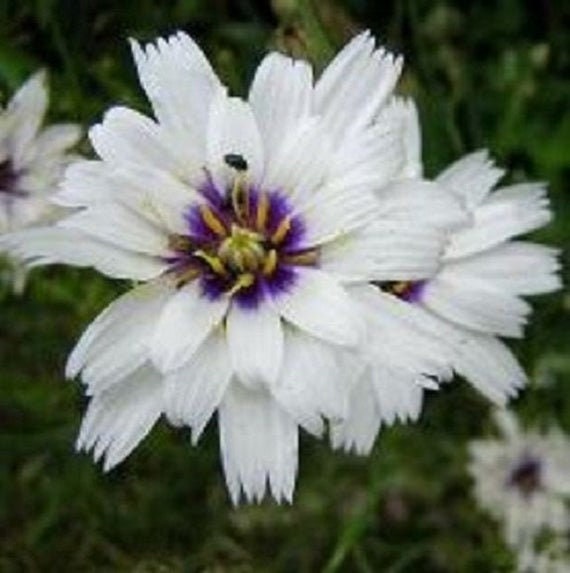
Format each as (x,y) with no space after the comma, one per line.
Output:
(489,74)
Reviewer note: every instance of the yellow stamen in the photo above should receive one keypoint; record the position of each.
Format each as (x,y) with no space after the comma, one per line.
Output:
(179,243)
(240,197)
(270,263)
(214,262)
(262,212)
(188,275)
(244,281)
(212,221)
(281,231)
(400,287)
(307,258)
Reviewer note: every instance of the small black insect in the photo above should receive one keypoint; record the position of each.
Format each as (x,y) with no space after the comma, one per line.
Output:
(236,161)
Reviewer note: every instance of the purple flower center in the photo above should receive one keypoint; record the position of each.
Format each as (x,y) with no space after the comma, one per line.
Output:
(9,181)
(242,242)
(526,475)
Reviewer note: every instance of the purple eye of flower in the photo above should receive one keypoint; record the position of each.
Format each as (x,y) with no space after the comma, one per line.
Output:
(526,475)
(9,180)
(243,242)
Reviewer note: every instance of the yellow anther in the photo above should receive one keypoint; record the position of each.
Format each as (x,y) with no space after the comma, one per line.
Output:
(304,258)
(244,280)
(400,287)
(270,263)
(262,212)
(212,221)
(240,197)
(213,262)
(281,231)
(186,276)
(179,243)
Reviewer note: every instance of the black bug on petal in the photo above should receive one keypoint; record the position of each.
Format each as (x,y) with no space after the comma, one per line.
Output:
(236,161)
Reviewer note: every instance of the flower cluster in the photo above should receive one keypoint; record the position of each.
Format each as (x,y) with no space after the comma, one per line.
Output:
(32,161)
(294,268)
(523,480)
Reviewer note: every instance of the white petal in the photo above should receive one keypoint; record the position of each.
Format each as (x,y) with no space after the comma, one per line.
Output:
(489,366)
(403,342)
(56,245)
(24,115)
(302,162)
(369,158)
(355,85)
(404,111)
(84,183)
(314,381)
(359,431)
(181,86)
(232,129)
(336,210)
(471,178)
(507,423)
(321,307)
(194,391)
(56,140)
(280,96)
(154,194)
(255,339)
(115,224)
(475,305)
(259,444)
(508,212)
(385,251)
(116,343)
(398,395)
(119,418)
(515,267)
(126,137)
(419,201)
(186,321)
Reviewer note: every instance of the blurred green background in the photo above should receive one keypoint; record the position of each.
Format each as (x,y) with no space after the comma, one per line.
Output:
(490,73)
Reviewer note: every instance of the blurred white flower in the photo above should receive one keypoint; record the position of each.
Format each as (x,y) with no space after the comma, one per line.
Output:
(523,479)
(252,224)
(450,322)
(32,160)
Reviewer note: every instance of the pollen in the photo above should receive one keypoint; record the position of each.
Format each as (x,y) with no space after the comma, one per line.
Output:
(214,262)
(282,231)
(262,212)
(212,221)
(270,263)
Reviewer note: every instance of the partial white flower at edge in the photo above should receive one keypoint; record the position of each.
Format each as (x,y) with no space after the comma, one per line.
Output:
(32,161)
(523,479)
(252,225)
(451,321)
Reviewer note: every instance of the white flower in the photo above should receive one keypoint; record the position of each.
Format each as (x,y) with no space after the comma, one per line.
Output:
(523,479)
(32,160)
(450,321)
(251,223)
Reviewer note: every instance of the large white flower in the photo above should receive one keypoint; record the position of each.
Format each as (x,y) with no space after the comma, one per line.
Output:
(523,480)
(450,321)
(250,224)
(32,160)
